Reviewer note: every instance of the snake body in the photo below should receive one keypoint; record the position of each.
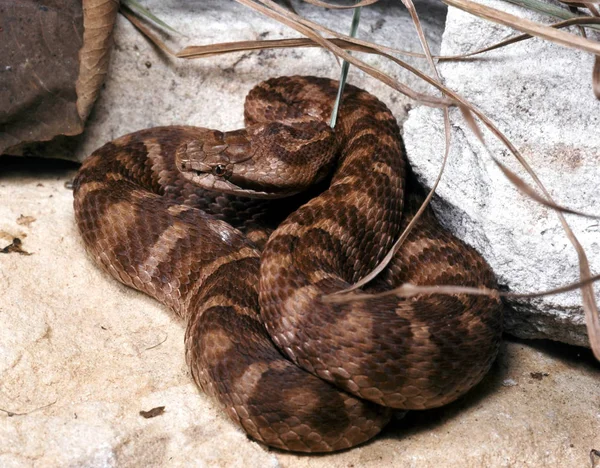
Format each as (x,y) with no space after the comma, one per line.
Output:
(294,371)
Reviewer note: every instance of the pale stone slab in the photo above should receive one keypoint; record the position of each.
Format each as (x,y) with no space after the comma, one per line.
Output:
(82,355)
(540,96)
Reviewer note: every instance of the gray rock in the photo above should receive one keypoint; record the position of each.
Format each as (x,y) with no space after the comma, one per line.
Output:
(146,89)
(539,94)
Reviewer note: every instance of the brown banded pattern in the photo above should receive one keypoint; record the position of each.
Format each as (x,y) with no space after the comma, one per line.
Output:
(337,367)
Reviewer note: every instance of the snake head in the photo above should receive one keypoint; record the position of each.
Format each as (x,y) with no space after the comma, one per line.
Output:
(211,160)
(267,160)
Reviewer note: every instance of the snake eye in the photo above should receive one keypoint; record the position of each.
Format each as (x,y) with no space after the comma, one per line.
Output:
(219,170)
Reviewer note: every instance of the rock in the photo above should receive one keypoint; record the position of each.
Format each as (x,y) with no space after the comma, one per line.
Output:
(146,89)
(54,60)
(540,96)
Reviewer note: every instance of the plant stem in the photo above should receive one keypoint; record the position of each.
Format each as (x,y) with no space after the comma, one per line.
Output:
(345,67)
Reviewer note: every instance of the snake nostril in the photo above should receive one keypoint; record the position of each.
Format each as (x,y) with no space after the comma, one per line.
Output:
(219,170)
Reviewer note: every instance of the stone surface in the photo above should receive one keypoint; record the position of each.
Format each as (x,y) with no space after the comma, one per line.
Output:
(146,89)
(540,96)
(81,356)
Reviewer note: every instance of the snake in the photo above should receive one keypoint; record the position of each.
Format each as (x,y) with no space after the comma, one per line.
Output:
(246,233)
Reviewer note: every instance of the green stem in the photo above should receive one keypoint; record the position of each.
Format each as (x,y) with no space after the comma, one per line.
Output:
(345,67)
(551,10)
(136,7)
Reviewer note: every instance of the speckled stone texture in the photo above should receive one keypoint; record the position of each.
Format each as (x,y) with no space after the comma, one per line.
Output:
(540,96)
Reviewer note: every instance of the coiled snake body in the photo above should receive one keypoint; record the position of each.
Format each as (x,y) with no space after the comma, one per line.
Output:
(293,371)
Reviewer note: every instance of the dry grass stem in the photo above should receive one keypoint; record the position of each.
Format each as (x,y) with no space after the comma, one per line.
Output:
(531,27)
(586,20)
(358,45)
(341,7)
(410,290)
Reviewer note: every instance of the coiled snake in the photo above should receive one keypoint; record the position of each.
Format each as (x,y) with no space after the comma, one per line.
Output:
(293,371)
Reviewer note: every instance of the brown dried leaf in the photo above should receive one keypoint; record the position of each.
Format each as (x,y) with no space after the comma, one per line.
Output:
(209,50)
(596,77)
(25,220)
(99,17)
(411,290)
(153,412)
(15,247)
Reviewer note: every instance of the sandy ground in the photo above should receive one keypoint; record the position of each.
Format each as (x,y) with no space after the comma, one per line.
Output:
(81,356)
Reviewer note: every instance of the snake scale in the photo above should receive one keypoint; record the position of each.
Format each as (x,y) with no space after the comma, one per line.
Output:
(294,371)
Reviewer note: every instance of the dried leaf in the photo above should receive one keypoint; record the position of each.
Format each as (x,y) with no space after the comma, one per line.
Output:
(25,220)
(99,18)
(15,247)
(153,412)
(410,290)
(208,50)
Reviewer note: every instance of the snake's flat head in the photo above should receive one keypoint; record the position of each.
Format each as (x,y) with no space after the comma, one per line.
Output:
(268,160)
(211,161)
